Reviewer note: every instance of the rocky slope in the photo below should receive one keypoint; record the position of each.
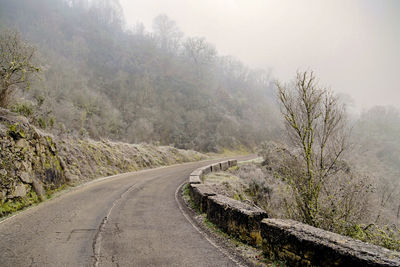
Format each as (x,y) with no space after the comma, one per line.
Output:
(34,164)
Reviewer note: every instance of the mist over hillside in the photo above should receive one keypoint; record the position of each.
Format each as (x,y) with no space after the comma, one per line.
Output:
(102,81)
(83,94)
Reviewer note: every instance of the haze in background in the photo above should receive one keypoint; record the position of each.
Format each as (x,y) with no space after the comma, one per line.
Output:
(353,46)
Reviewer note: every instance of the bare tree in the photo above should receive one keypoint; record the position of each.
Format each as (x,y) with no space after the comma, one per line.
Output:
(199,50)
(106,12)
(167,33)
(16,65)
(316,125)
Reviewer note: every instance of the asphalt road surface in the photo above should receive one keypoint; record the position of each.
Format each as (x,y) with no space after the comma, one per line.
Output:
(127,220)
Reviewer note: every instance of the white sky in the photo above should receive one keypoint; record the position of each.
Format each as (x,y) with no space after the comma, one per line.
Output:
(353,46)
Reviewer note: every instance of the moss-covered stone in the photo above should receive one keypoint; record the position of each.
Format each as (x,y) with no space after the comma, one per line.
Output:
(12,205)
(15,131)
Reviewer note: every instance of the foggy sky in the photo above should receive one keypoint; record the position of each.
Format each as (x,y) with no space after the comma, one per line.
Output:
(353,46)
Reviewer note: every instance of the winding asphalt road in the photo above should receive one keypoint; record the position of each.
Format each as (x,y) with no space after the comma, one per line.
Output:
(130,219)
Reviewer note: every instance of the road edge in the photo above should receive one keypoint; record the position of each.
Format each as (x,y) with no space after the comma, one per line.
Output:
(213,238)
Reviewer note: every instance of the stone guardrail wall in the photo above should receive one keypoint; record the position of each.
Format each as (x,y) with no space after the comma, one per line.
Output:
(295,243)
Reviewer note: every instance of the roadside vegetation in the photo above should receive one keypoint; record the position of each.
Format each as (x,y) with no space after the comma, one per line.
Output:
(314,178)
(85,85)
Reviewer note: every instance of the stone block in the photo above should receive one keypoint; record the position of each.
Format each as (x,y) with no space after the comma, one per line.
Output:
(206,170)
(215,167)
(37,186)
(194,179)
(197,172)
(303,245)
(232,162)
(25,177)
(19,191)
(236,218)
(199,194)
(224,165)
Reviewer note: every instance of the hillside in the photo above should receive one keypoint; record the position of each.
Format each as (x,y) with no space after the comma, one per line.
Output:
(35,164)
(102,80)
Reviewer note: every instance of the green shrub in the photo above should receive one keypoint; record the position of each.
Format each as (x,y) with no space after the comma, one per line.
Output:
(16,131)
(387,236)
(24,109)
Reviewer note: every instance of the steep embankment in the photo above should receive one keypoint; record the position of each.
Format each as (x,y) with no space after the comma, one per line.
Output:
(34,164)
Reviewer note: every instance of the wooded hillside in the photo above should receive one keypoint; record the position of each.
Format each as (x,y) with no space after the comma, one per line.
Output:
(100,79)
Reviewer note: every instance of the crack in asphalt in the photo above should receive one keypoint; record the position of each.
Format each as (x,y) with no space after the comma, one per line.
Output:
(96,245)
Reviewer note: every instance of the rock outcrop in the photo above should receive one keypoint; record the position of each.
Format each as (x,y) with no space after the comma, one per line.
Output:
(34,164)
(30,164)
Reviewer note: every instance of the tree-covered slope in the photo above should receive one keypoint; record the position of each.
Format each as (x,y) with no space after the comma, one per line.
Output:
(100,79)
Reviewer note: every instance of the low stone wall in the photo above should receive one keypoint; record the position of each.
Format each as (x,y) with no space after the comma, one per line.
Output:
(303,245)
(295,243)
(199,194)
(215,167)
(234,217)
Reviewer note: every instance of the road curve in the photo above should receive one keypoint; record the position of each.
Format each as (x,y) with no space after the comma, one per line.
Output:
(130,219)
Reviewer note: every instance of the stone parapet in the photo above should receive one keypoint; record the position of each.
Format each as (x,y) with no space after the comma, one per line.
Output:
(295,243)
